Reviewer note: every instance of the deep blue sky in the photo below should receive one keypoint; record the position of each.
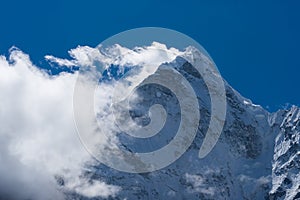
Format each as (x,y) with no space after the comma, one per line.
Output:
(255,44)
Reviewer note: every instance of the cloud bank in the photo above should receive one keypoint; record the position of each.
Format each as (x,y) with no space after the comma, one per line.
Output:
(38,139)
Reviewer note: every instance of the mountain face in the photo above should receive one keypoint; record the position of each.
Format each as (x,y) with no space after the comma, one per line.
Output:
(256,157)
(286,161)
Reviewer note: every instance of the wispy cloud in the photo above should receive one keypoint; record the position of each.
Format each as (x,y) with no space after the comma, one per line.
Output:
(199,185)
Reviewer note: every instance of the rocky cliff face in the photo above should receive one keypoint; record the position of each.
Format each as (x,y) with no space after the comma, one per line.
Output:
(286,161)
(256,157)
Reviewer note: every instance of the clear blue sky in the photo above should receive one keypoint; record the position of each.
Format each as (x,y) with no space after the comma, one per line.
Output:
(255,44)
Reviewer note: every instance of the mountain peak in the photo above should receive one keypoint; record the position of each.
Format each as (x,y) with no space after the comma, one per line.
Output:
(256,156)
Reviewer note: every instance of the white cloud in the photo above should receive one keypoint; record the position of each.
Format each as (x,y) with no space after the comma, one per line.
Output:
(38,138)
(85,56)
(93,188)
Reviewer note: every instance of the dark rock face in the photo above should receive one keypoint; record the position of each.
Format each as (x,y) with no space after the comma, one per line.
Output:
(244,140)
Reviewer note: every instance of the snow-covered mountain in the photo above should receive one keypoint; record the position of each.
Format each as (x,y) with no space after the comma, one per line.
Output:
(42,157)
(286,161)
(256,157)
